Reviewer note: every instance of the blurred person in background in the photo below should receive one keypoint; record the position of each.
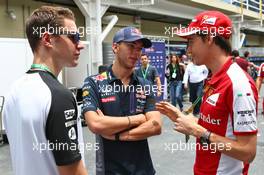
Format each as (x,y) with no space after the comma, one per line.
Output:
(194,77)
(174,74)
(149,72)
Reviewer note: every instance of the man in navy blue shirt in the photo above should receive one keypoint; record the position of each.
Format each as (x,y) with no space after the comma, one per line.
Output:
(120,108)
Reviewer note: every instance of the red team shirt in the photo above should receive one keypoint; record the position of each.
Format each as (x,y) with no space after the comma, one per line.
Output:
(228,109)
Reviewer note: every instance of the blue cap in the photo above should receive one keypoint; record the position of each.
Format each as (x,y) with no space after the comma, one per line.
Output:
(131,34)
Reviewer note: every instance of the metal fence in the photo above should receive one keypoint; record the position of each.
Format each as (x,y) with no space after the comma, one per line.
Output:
(253,5)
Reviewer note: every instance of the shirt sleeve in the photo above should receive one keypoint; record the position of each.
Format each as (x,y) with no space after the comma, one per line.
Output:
(90,95)
(62,130)
(245,109)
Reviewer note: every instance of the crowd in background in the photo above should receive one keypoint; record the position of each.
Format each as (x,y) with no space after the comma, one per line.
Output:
(184,77)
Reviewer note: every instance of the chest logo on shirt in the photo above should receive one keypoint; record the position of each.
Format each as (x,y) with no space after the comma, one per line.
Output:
(210,120)
(69,114)
(212,100)
(108,99)
(106,90)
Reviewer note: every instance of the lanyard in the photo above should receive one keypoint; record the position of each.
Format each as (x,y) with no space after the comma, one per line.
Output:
(146,71)
(41,67)
(174,68)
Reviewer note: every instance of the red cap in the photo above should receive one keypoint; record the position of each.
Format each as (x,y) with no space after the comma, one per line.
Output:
(208,22)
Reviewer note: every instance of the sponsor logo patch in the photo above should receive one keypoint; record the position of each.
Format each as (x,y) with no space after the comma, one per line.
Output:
(246,123)
(72,133)
(212,100)
(70,123)
(101,77)
(108,99)
(135,32)
(209,20)
(69,114)
(210,120)
(85,93)
(246,113)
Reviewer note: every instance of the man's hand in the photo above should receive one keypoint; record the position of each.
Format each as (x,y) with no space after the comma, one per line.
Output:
(188,124)
(100,113)
(169,110)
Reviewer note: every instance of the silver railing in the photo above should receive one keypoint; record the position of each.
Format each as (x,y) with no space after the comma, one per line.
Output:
(253,5)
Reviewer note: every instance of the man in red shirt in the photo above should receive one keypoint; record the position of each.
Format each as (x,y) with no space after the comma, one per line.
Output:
(247,66)
(243,63)
(226,131)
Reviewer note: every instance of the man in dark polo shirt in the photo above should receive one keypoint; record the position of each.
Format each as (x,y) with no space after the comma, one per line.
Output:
(150,73)
(120,108)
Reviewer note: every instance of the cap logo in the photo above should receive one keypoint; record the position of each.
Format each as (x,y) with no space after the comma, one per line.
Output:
(135,31)
(208,20)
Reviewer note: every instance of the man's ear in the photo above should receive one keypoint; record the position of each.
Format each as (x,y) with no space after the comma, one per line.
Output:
(46,40)
(114,47)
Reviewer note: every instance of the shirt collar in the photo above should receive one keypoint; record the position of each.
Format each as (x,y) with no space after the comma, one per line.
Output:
(111,76)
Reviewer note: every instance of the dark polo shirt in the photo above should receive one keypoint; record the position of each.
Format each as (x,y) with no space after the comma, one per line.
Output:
(105,91)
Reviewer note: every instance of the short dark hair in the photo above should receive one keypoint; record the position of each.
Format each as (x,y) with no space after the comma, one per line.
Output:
(43,18)
(235,53)
(143,54)
(220,41)
(246,54)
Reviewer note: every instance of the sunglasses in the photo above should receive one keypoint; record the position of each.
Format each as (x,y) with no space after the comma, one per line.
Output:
(73,36)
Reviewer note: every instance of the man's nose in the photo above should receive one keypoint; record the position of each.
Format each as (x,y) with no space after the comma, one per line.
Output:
(80,46)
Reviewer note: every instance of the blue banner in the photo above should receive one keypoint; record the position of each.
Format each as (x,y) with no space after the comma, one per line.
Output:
(157,57)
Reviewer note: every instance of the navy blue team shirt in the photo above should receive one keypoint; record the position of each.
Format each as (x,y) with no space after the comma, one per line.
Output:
(105,91)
